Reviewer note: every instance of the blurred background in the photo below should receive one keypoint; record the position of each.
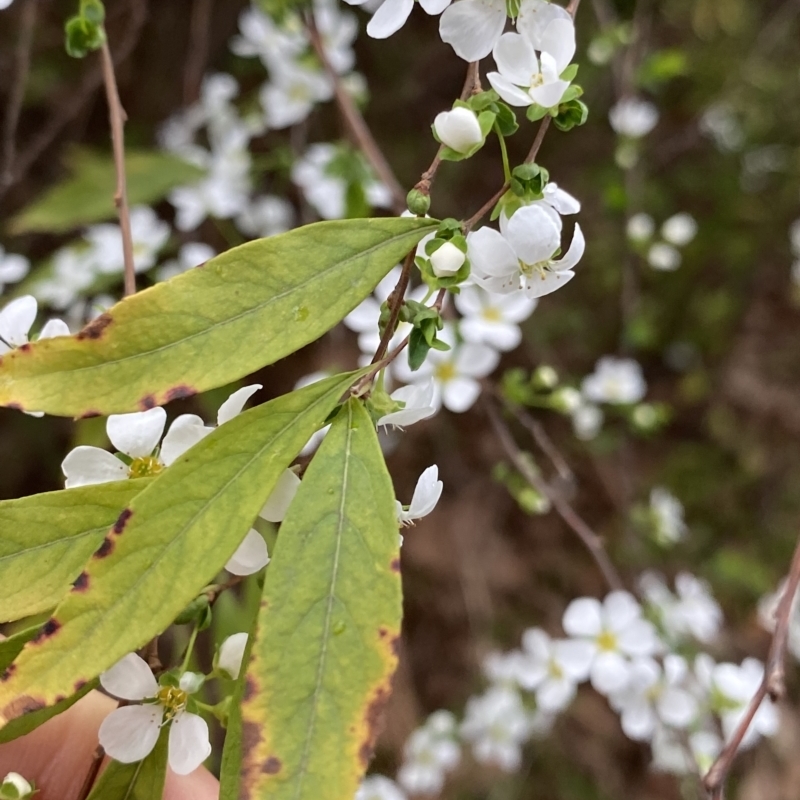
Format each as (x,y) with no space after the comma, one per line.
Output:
(717,337)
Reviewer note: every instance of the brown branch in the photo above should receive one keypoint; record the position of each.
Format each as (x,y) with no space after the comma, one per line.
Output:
(395,303)
(355,122)
(71,106)
(117,117)
(773,683)
(22,61)
(92,773)
(199,29)
(590,540)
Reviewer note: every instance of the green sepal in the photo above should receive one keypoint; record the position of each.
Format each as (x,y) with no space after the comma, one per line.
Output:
(536,112)
(569,73)
(570,115)
(94,11)
(82,36)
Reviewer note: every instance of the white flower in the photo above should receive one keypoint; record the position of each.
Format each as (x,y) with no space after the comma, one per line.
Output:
(721,124)
(692,611)
(587,419)
(447,260)
(292,93)
(497,724)
(149,235)
(337,30)
(523,78)
(737,685)
(377,787)
(667,513)
(563,202)
(553,668)
(419,404)
(73,271)
(13,268)
(640,227)
(472,27)
(679,229)
(492,319)
(16,320)
(455,372)
(767,609)
(4,4)
(458,129)
(14,786)
(670,751)
(615,380)
(231,653)
(503,669)
(131,732)
(426,495)
(633,117)
(190,255)
(650,697)
(392,14)
(616,632)
(522,255)
(427,757)
(267,215)
(260,36)
(663,257)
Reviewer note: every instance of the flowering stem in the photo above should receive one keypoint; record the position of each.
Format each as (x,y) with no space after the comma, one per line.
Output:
(772,684)
(189,649)
(395,301)
(504,152)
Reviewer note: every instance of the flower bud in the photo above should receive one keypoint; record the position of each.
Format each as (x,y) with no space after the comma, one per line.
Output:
(566,400)
(458,129)
(418,202)
(545,378)
(15,787)
(447,260)
(231,653)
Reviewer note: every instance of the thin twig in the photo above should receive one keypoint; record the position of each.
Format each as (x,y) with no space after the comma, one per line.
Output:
(773,683)
(22,61)
(117,117)
(592,542)
(355,122)
(91,775)
(395,303)
(199,28)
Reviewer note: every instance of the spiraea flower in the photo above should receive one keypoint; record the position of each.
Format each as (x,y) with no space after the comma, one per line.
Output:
(378,787)
(418,404)
(426,495)
(230,655)
(633,117)
(492,319)
(458,129)
(16,321)
(615,381)
(130,733)
(522,256)
(430,753)
(392,14)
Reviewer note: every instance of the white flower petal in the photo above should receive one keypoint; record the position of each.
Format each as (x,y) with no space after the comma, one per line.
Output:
(233,406)
(433,7)
(515,59)
(85,466)
(389,18)
(549,94)
(677,708)
(575,252)
(476,360)
(459,130)
(620,609)
(583,617)
(136,434)
(574,656)
(274,510)
(130,733)
(53,328)
(555,694)
(489,253)
(16,319)
(231,653)
(609,673)
(512,94)
(558,41)
(472,27)
(189,745)
(130,679)
(460,394)
(426,493)
(183,434)
(250,556)
(532,234)
(539,286)
(638,720)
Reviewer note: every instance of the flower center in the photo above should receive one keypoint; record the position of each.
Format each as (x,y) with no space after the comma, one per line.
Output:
(445,372)
(144,467)
(607,641)
(529,270)
(492,314)
(173,699)
(554,670)
(537,79)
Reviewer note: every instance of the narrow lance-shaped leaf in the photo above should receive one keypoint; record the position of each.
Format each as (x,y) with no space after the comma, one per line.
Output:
(170,542)
(46,539)
(325,643)
(143,780)
(211,325)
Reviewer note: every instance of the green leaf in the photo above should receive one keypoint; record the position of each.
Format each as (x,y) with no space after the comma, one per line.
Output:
(212,325)
(46,539)
(142,780)
(29,715)
(88,195)
(11,647)
(167,545)
(324,646)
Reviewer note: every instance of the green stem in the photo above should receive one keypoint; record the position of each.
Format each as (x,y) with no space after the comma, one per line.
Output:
(189,649)
(504,152)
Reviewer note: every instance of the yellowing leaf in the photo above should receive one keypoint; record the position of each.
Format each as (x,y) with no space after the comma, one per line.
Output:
(324,645)
(212,325)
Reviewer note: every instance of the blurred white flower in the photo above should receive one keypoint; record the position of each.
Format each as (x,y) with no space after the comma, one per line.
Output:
(587,420)
(292,92)
(615,381)
(492,319)
(663,257)
(633,117)
(377,787)
(267,215)
(428,756)
(259,36)
(640,227)
(190,255)
(391,15)
(670,752)
(13,268)
(721,124)
(667,512)
(679,229)
(426,495)
(149,234)
(616,631)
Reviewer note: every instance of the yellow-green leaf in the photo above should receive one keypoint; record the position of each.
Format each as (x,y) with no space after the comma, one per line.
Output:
(212,325)
(324,646)
(46,539)
(88,194)
(166,545)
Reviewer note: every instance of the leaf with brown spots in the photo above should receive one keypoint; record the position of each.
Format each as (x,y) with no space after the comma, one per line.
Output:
(322,652)
(169,543)
(246,308)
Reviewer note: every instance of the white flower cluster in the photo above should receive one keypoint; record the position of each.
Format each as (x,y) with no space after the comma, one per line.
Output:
(662,254)
(674,703)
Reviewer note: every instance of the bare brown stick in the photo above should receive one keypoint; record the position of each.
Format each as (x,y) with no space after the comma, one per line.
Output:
(199,28)
(22,63)
(72,105)
(773,684)
(117,117)
(355,122)
(590,540)
(395,301)
(91,775)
